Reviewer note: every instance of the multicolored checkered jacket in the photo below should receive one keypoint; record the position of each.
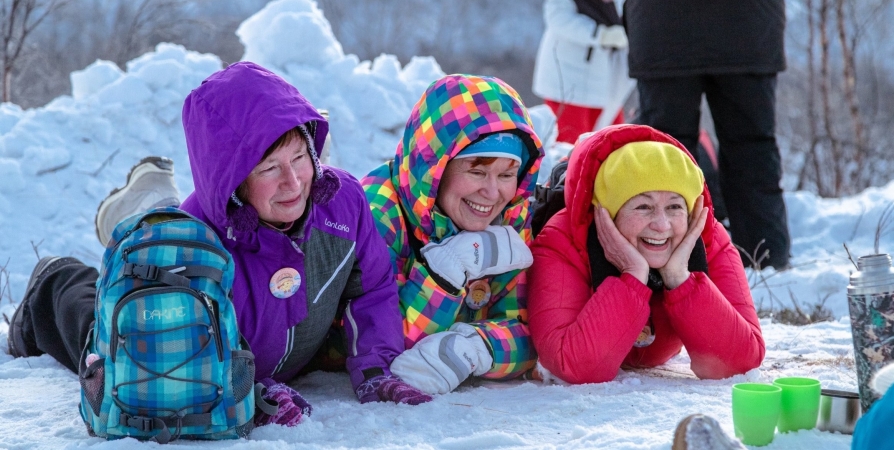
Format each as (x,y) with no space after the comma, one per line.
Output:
(454,112)
(165,359)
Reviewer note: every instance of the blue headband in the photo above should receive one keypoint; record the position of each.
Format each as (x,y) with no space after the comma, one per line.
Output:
(497,145)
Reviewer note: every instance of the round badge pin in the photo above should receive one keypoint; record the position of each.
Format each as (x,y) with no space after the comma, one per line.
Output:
(478,294)
(285,282)
(646,336)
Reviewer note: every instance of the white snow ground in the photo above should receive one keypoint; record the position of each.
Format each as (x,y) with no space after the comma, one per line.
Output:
(58,162)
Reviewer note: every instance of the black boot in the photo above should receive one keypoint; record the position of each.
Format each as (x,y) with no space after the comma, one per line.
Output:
(21,333)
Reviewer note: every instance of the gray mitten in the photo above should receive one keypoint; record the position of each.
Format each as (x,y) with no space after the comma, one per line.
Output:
(440,362)
(470,255)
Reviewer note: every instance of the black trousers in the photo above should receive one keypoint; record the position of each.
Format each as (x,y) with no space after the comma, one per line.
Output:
(58,314)
(750,168)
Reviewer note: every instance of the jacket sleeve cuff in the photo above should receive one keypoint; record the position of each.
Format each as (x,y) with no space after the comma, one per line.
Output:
(442,282)
(684,290)
(635,285)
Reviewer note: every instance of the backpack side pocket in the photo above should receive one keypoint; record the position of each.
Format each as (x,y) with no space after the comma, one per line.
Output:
(92,377)
(243,383)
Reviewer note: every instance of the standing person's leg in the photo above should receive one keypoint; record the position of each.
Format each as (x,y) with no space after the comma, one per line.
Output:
(672,105)
(743,108)
(619,118)
(57,312)
(572,120)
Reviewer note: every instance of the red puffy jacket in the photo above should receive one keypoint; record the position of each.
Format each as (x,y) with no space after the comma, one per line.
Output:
(584,336)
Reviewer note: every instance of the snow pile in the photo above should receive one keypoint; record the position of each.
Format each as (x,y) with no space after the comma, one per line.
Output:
(368,102)
(59,161)
(820,229)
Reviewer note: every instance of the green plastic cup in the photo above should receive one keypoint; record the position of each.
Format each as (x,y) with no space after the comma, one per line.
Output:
(756,408)
(800,403)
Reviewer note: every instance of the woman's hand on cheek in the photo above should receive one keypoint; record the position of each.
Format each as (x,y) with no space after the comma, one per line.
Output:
(618,251)
(676,271)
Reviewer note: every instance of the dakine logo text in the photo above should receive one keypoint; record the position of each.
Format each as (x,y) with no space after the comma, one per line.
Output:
(163,314)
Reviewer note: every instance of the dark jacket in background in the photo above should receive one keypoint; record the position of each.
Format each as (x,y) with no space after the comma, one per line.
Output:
(704,37)
(602,12)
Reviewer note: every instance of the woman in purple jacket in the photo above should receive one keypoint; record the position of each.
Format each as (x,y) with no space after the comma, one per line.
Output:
(252,141)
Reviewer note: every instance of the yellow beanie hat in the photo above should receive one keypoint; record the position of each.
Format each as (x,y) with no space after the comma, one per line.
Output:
(642,167)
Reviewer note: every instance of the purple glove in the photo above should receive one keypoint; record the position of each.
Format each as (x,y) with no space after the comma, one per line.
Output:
(279,404)
(388,388)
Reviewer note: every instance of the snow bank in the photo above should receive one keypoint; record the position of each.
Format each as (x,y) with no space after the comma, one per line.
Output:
(59,161)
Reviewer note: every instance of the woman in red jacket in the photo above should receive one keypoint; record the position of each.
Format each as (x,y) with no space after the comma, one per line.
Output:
(636,267)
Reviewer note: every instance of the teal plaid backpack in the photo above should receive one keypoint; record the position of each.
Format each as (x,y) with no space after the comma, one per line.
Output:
(164,359)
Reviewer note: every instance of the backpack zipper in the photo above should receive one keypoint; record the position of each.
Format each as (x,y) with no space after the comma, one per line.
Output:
(214,307)
(156,290)
(175,243)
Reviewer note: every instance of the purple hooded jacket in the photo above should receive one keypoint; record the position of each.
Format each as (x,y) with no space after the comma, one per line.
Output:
(230,120)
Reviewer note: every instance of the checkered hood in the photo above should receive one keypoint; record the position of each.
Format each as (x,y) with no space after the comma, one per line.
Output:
(454,112)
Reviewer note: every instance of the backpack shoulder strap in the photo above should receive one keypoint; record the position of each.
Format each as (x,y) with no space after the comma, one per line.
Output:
(549,198)
(172,276)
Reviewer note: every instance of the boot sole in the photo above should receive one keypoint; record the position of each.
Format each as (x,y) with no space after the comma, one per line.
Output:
(158,164)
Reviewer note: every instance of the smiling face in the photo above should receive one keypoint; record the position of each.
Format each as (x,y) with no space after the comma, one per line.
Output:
(655,223)
(473,193)
(279,186)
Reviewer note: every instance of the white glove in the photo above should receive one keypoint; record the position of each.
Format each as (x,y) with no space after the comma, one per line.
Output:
(440,362)
(613,38)
(475,254)
(883,379)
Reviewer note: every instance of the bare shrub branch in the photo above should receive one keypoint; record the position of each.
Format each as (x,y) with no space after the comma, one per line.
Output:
(5,291)
(18,19)
(884,222)
(35,246)
(849,256)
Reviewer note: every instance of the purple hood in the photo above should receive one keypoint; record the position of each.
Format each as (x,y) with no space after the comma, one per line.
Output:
(248,123)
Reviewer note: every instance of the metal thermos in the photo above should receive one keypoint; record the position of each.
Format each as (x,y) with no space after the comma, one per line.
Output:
(870,299)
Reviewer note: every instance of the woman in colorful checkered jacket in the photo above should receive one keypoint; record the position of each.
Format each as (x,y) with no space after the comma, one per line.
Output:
(453,209)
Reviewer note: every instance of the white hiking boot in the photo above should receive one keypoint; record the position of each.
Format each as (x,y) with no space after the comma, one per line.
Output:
(150,184)
(700,432)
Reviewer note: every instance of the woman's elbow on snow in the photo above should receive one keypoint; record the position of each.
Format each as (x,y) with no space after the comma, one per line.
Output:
(574,372)
(714,368)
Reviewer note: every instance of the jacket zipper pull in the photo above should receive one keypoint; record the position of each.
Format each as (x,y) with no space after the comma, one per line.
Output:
(230,233)
(590,48)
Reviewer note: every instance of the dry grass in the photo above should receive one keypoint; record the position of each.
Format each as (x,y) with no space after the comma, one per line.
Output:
(796,314)
(5,292)
(842,361)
